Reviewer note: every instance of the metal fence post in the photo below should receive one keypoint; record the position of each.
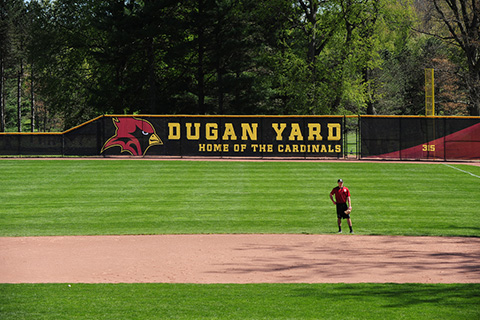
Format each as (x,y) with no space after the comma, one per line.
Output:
(444,139)
(400,138)
(358,139)
(63,144)
(345,135)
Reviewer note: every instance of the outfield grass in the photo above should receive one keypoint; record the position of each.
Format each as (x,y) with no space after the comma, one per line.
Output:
(84,197)
(253,301)
(92,197)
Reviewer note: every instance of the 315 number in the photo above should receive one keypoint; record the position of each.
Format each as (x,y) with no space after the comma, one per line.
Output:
(428,147)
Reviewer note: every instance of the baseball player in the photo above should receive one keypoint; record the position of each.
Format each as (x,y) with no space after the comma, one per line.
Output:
(342,197)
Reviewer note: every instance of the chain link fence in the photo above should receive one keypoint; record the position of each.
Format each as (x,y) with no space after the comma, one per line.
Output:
(306,137)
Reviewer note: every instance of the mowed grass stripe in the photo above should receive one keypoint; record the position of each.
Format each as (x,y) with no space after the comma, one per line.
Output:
(92,197)
(228,301)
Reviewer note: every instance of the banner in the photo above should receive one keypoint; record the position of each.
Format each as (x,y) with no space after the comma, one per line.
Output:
(224,136)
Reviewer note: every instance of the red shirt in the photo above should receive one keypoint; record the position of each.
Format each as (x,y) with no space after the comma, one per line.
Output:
(341,194)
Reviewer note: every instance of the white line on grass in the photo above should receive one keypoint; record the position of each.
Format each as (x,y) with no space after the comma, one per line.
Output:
(462,170)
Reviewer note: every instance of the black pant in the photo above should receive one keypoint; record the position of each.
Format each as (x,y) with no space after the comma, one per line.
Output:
(341,208)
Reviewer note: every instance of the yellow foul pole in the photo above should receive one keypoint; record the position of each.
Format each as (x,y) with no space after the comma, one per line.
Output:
(429,92)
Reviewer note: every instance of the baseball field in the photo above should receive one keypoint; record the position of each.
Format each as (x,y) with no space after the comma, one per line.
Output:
(237,240)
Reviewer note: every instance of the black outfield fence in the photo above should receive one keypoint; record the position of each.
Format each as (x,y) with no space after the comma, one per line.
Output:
(31,143)
(364,137)
(183,136)
(423,138)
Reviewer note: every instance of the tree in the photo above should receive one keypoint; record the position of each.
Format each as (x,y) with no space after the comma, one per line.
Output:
(90,57)
(11,63)
(4,50)
(461,19)
(12,36)
(339,42)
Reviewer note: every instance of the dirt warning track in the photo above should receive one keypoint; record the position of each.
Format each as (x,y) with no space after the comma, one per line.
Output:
(244,258)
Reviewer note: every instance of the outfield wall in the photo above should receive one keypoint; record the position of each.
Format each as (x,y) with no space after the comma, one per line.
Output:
(373,137)
(186,136)
(423,138)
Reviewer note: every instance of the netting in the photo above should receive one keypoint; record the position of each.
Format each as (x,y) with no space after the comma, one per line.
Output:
(377,137)
(420,138)
(31,144)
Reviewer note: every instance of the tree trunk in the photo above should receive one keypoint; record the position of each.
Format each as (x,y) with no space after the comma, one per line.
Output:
(462,19)
(2,97)
(45,115)
(201,76)
(220,72)
(32,100)
(201,53)
(370,96)
(151,78)
(19,97)
(474,94)
(220,91)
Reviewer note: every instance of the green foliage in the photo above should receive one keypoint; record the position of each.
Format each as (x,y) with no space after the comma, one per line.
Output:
(91,57)
(85,197)
(231,301)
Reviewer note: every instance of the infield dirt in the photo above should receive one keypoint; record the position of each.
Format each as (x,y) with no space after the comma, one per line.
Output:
(239,258)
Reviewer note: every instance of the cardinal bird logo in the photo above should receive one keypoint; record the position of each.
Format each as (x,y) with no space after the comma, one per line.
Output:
(133,135)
